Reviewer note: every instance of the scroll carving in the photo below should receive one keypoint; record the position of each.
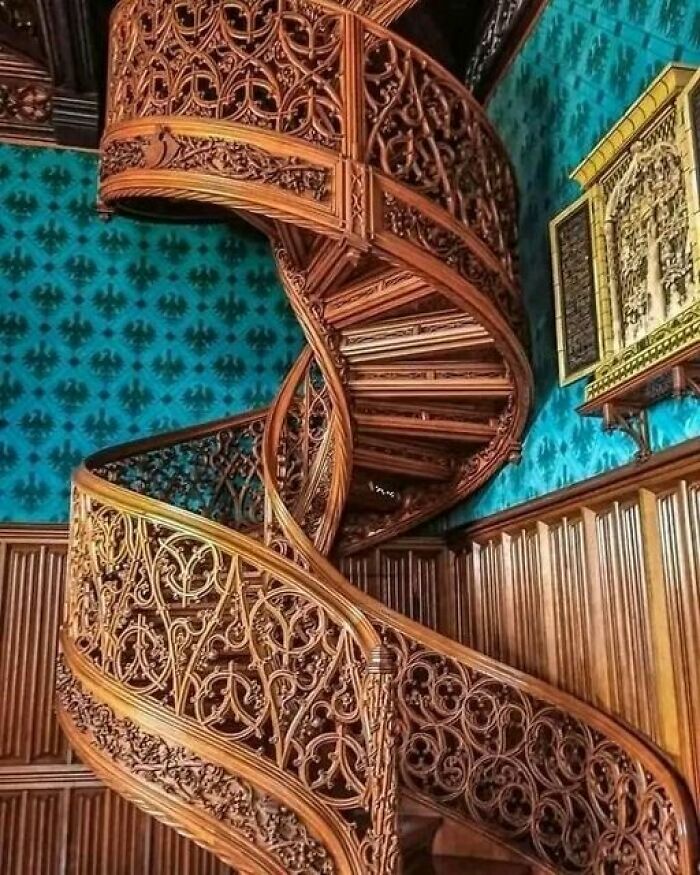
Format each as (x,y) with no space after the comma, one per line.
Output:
(426,133)
(483,749)
(263,821)
(218,157)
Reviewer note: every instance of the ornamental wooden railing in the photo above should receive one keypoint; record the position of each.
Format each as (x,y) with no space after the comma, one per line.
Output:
(217,669)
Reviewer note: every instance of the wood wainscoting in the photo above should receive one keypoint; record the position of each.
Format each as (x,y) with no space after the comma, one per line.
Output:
(56,818)
(596,590)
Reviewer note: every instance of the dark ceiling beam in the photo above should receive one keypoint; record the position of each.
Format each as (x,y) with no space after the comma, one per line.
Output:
(68,36)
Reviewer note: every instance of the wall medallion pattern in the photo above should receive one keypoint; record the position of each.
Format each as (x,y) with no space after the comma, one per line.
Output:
(101,336)
(581,66)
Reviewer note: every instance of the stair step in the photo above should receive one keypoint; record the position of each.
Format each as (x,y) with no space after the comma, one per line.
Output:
(401,458)
(470,866)
(375,296)
(424,423)
(407,337)
(446,380)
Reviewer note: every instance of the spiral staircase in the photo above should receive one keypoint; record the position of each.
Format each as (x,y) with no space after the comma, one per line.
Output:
(216,668)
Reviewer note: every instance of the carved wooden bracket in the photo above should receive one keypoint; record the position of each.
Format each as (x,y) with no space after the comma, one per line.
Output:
(631,420)
(625,407)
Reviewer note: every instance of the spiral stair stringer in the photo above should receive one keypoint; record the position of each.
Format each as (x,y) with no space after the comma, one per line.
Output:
(217,668)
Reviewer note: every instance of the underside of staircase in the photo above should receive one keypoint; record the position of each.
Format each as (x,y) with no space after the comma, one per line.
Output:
(216,668)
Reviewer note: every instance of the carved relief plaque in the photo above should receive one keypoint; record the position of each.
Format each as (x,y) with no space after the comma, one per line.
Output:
(627,254)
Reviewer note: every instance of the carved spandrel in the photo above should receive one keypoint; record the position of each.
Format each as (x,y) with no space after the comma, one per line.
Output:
(578,301)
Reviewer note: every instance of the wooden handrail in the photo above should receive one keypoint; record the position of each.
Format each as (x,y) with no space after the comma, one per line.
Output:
(222,643)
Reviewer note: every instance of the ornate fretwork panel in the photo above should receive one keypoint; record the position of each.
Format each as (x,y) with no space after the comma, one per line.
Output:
(538,775)
(216,473)
(220,672)
(628,255)
(259,819)
(272,64)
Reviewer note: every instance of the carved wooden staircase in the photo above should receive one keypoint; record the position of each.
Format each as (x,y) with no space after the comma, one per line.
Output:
(216,668)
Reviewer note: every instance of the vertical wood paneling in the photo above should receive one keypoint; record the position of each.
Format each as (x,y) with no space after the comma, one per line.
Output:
(529,647)
(679,524)
(31,586)
(11,830)
(171,854)
(30,832)
(571,627)
(627,622)
(602,598)
(63,826)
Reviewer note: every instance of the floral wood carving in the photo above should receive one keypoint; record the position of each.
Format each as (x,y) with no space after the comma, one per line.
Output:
(410,223)
(218,157)
(262,820)
(561,791)
(20,103)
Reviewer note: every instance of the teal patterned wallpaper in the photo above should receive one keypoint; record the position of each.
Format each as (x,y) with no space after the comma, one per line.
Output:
(581,67)
(114,330)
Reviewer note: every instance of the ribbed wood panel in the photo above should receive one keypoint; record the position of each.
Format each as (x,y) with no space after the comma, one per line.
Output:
(408,575)
(171,853)
(55,818)
(31,584)
(601,600)
(627,622)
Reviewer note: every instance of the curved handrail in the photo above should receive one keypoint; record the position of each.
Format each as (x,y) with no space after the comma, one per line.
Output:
(319,117)
(149,579)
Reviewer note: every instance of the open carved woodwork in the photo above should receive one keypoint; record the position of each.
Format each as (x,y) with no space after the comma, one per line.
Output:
(216,668)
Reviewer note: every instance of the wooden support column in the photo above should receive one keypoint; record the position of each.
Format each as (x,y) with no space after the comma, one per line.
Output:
(600,671)
(664,670)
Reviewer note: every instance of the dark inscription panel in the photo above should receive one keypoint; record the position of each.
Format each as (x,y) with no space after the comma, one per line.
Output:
(577,289)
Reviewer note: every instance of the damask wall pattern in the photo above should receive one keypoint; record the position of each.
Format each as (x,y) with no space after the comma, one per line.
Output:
(110,330)
(583,64)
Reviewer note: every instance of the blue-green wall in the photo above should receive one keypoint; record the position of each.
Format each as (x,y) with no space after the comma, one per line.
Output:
(114,330)
(581,67)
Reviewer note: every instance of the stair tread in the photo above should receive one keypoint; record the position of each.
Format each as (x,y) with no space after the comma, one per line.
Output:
(472,866)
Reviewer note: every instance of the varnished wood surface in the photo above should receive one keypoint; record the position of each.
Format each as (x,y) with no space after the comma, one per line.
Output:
(56,818)
(598,592)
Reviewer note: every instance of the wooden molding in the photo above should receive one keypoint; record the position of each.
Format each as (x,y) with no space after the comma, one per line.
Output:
(665,466)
